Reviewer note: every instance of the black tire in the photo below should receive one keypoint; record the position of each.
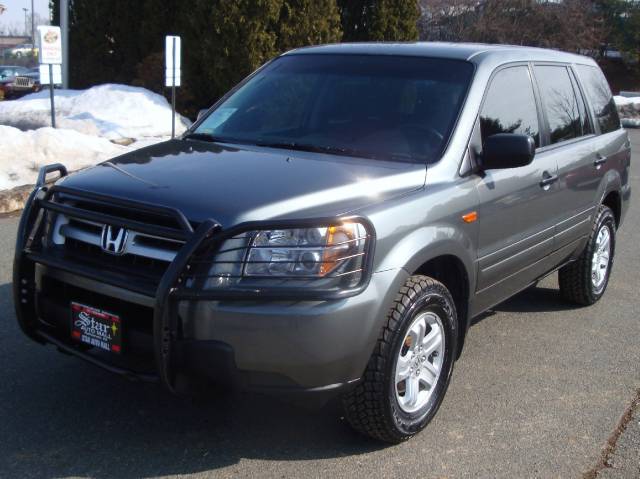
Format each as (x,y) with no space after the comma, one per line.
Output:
(575,279)
(372,407)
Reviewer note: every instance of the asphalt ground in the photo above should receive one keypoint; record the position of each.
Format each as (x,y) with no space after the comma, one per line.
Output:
(539,391)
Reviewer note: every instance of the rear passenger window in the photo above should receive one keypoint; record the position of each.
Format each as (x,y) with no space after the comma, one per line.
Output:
(587,127)
(599,95)
(510,106)
(559,102)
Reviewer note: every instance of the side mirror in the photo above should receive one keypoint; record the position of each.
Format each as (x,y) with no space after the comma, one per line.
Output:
(201,113)
(507,150)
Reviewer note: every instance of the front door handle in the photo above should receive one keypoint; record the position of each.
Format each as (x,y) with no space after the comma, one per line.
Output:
(600,160)
(548,179)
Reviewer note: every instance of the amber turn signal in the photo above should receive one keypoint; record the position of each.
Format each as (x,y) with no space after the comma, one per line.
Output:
(470,217)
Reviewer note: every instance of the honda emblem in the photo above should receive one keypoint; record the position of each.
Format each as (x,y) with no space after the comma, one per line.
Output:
(114,239)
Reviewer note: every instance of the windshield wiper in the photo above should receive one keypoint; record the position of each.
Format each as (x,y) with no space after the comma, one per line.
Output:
(292,145)
(204,137)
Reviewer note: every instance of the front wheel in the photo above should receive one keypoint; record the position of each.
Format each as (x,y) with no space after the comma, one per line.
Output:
(409,371)
(585,280)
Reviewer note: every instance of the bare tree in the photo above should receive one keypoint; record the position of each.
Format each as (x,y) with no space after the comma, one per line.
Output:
(572,25)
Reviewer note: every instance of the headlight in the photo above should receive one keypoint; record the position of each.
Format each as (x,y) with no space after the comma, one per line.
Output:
(332,257)
(306,253)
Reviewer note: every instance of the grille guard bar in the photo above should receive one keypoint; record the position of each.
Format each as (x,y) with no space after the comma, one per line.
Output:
(171,288)
(165,317)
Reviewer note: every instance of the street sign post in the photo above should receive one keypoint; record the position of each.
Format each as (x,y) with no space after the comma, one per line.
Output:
(50,60)
(173,73)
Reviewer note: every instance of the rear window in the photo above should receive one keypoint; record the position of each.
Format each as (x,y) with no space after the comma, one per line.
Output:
(560,104)
(599,95)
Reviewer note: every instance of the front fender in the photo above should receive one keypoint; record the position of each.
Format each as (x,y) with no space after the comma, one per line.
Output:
(423,244)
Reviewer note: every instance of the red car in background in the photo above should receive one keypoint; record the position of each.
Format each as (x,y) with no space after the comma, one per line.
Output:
(16,81)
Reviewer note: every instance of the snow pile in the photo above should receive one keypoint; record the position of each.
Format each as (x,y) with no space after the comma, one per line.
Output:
(114,112)
(22,153)
(629,110)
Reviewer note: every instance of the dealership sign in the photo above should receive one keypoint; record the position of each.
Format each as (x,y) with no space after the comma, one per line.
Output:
(50,45)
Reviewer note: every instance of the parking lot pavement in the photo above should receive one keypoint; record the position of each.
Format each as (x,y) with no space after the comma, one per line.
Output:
(538,392)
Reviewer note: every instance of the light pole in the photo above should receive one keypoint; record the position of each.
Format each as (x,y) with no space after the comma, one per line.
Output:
(26,22)
(64,25)
(33,35)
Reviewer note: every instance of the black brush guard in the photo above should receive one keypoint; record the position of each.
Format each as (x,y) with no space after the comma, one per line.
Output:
(171,288)
(29,238)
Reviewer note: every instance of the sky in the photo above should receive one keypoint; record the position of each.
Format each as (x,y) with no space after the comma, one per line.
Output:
(13,16)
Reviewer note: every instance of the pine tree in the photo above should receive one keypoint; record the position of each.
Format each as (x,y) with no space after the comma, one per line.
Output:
(308,22)
(225,41)
(104,40)
(380,20)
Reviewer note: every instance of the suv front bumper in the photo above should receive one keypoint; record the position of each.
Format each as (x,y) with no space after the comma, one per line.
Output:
(278,345)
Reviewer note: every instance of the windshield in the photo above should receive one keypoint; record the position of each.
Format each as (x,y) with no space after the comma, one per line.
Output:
(11,71)
(381,107)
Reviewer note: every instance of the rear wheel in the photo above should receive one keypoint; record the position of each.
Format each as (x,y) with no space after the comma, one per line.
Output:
(409,371)
(585,280)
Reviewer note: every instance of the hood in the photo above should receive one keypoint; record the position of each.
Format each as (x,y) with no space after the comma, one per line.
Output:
(237,184)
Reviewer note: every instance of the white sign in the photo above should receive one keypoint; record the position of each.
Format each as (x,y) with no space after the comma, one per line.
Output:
(44,74)
(172,60)
(50,45)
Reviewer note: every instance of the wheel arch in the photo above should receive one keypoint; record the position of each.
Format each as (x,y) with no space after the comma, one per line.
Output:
(444,251)
(450,270)
(613,200)
(610,194)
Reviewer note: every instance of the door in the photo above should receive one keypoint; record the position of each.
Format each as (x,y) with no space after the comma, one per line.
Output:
(572,145)
(518,206)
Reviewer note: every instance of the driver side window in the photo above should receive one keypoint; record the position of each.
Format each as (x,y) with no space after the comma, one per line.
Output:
(510,105)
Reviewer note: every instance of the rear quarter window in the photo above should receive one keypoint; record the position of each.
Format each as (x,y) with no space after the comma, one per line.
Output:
(599,95)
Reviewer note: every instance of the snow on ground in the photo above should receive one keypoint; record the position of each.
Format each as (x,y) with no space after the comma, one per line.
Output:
(629,109)
(115,112)
(23,152)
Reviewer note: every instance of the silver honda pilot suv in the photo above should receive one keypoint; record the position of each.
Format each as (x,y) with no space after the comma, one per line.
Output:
(332,225)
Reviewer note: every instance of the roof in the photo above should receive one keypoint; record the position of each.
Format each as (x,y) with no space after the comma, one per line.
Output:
(459,51)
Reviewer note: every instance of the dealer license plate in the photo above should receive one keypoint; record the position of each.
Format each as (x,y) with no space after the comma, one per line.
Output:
(96,328)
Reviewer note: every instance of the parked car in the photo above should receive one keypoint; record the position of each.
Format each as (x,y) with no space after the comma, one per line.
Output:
(18,81)
(332,225)
(22,50)
(10,71)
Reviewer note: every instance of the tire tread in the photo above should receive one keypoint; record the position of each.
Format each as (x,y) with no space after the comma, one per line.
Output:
(574,279)
(364,406)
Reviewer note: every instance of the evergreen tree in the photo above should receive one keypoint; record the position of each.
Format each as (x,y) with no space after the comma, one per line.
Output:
(225,41)
(308,22)
(104,42)
(623,26)
(380,20)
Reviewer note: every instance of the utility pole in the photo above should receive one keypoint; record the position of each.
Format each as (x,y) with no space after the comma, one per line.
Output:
(33,34)
(64,26)
(26,22)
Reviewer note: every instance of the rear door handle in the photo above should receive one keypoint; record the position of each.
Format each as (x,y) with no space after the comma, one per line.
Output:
(600,160)
(548,179)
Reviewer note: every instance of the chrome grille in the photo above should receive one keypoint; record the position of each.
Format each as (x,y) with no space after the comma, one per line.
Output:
(137,244)
(23,82)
